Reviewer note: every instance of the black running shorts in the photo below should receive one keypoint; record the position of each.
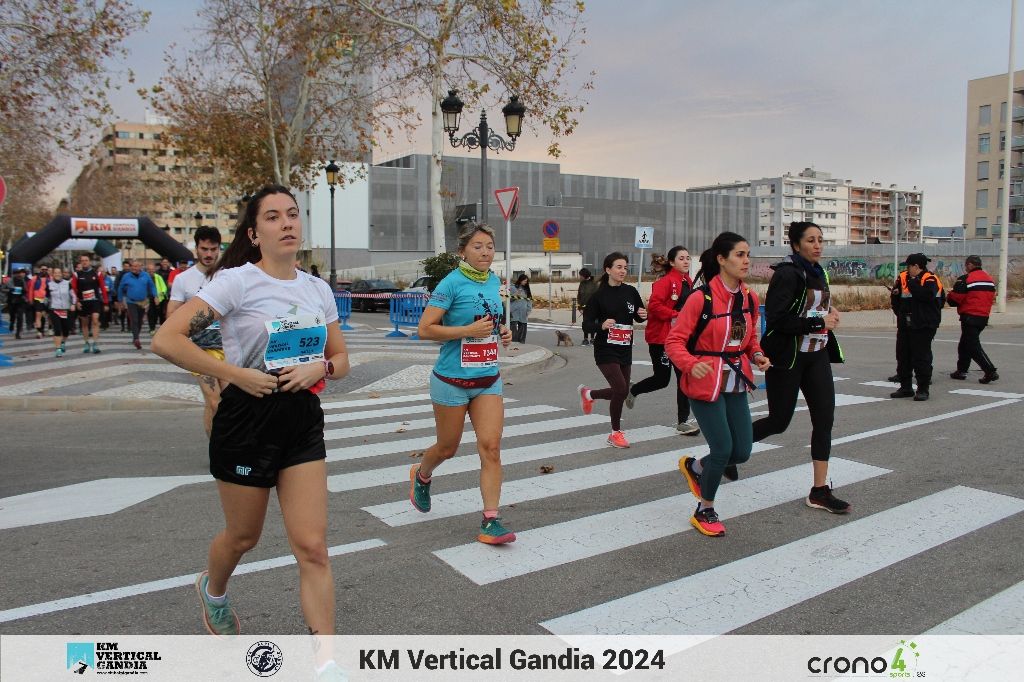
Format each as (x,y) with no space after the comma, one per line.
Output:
(90,307)
(254,438)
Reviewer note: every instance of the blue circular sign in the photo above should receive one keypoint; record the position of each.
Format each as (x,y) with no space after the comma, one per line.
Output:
(550,229)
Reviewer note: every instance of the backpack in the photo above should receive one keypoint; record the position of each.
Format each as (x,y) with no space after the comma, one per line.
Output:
(706,315)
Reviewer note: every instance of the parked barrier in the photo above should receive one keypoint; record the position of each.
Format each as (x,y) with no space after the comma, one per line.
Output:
(406,310)
(344,302)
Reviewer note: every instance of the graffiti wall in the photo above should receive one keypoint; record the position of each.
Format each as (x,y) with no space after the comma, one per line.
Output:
(880,268)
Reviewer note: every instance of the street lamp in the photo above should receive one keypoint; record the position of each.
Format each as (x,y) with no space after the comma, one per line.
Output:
(331,171)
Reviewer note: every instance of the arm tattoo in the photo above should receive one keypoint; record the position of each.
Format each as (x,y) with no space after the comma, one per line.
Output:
(200,321)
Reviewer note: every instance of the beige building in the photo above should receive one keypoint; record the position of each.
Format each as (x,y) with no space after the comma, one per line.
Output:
(984,156)
(848,213)
(134,171)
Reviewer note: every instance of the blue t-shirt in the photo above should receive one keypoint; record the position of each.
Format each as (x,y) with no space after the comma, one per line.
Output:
(465,301)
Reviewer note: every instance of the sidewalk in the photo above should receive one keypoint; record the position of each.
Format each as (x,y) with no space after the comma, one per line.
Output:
(862,319)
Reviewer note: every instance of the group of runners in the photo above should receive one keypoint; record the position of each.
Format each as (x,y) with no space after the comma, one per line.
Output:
(279,341)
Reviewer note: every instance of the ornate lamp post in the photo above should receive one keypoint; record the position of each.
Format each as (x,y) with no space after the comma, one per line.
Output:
(331,170)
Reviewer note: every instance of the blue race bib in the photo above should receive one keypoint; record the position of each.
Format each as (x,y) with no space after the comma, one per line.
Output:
(295,340)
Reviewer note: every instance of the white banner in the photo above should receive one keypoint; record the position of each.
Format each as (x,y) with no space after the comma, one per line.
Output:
(104,227)
(514,657)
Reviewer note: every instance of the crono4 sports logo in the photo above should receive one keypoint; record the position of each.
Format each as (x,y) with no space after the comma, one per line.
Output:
(902,665)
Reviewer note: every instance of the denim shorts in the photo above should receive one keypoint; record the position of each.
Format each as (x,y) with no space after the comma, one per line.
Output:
(444,393)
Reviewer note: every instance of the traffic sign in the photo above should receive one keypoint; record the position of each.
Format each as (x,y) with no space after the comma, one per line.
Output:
(644,237)
(507,198)
(3,189)
(550,228)
(552,244)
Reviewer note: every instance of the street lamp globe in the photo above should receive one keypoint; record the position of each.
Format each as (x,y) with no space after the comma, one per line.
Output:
(451,109)
(514,112)
(331,170)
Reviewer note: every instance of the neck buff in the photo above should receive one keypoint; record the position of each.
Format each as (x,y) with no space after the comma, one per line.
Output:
(472,273)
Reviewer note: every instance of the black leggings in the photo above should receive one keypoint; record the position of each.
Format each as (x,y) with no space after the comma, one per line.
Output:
(661,378)
(812,375)
(618,386)
(62,326)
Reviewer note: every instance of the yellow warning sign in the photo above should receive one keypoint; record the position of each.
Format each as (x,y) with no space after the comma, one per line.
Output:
(552,243)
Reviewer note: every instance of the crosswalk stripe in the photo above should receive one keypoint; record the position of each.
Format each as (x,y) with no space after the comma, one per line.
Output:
(409,444)
(757,586)
(1000,614)
(70,362)
(458,502)
(920,422)
(417,424)
(386,412)
(561,543)
(456,465)
(383,400)
(167,583)
(987,394)
(63,381)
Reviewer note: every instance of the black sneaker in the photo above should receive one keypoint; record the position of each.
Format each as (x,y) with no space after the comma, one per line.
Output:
(894,379)
(989,377)
(903,393)
(822,498)
(731,472)
(958,375)
(921,396)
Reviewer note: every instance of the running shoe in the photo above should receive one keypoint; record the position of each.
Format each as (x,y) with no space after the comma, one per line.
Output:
(419,492)
(586,404)
(822,498)
(85,349)
(137,344)
(493,533)
(63,347)
(39,333)
(731,472)
(902,393)
(220,619)
(59,352)
(958,375)
(332,673)
(688,428)
(706,521)
(691,476)
(894,379)
(921,395)
(96,349)
(989,377)
(618,440)
(630,398)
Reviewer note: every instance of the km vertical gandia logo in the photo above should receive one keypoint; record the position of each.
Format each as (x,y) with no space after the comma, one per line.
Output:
(107,657)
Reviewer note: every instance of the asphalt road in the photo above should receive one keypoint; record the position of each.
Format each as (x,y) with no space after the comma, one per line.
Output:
(605,546)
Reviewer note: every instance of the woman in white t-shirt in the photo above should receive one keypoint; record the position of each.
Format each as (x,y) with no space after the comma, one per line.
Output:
(281,340)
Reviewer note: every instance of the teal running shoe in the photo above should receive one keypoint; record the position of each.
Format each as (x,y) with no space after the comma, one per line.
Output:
(493,533)
(219,619)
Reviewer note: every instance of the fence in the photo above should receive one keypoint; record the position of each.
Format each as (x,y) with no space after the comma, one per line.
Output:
(344,302)
(5,360)
(406,310)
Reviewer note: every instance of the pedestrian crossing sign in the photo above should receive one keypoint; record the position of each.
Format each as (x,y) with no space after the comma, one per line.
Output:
(644,237)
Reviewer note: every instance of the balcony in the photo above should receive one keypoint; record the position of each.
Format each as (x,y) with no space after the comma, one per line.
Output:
(1018,143)
(1017,172)
(1018,113)
(1016,200)
(1016,229)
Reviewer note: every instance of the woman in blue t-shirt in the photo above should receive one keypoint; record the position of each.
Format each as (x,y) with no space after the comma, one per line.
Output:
(464,312)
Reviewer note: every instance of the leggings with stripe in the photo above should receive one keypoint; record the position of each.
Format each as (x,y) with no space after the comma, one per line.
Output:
(618,386)
(812,375)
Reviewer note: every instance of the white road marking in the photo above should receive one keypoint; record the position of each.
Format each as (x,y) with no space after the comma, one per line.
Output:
(1000,614)
(418,424)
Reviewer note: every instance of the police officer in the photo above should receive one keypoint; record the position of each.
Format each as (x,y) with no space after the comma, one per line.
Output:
(972,295)
(917,300)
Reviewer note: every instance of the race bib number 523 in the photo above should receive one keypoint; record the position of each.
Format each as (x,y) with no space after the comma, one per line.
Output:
(295,340)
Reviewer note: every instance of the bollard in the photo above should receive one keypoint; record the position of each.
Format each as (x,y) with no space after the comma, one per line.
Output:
(574,310)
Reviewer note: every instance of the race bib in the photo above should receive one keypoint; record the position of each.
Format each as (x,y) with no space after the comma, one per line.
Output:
(89,295)
(818,336)
(481,352)
(62,314)
(295,340)
(16,291)
(621,335)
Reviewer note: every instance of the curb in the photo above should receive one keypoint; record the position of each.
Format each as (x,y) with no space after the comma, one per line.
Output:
(86,403)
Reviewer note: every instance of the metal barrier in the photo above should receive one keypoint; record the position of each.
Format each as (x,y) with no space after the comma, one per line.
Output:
(5,360)
(406,310)
(344,302)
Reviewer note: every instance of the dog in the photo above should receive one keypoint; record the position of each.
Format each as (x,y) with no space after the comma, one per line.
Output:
(563,338)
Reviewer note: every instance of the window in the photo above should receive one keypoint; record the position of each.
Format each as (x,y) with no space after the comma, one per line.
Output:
(1002,141)
(982,199)
(122,135)
(1002,168)
(161,169)
(142,136)
(985,115)
(984,143)
(981,227)
(808,189)
(1002,112)
(999,198)
(983,170)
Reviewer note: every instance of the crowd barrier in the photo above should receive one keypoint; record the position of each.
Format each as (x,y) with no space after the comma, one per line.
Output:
(406,310)
(5,360)
(344,302)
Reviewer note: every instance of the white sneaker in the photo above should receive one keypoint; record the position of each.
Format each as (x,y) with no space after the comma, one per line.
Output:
(688,428)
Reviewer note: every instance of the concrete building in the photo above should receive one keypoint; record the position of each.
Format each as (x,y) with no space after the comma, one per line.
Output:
(987,125)
(848,213)
(134,170)
(595,214)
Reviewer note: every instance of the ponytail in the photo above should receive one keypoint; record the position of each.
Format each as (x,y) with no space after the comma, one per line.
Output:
(722,246)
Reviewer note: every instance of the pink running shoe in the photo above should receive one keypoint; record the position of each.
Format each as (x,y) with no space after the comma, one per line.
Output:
(618,439)
(586,403)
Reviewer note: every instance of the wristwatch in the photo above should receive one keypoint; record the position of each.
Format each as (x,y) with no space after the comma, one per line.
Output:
(328,369)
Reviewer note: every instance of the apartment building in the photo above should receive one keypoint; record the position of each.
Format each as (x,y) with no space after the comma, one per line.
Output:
(984,172)
(848,213)
(134,170)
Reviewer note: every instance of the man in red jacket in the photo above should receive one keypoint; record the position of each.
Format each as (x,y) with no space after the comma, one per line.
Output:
(972,295)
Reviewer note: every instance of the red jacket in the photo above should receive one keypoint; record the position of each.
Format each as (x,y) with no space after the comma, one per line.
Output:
(977,297)
(661,305)
(713,338)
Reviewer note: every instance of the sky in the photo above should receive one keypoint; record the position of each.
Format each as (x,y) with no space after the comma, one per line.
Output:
(694,92)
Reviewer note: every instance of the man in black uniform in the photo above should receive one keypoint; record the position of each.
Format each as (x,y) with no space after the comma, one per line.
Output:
(917,300)
(91,288)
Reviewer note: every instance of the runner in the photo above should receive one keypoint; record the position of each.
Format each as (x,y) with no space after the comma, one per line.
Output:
(36,298)
(464,312)
(612,310)
(281,340)
(713,342)
(800,340)
(668,294)
(186,285)
(61,300)
(17,305)
(91,287)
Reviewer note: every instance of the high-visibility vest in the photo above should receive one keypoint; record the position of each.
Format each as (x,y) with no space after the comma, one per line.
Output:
(905,290)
